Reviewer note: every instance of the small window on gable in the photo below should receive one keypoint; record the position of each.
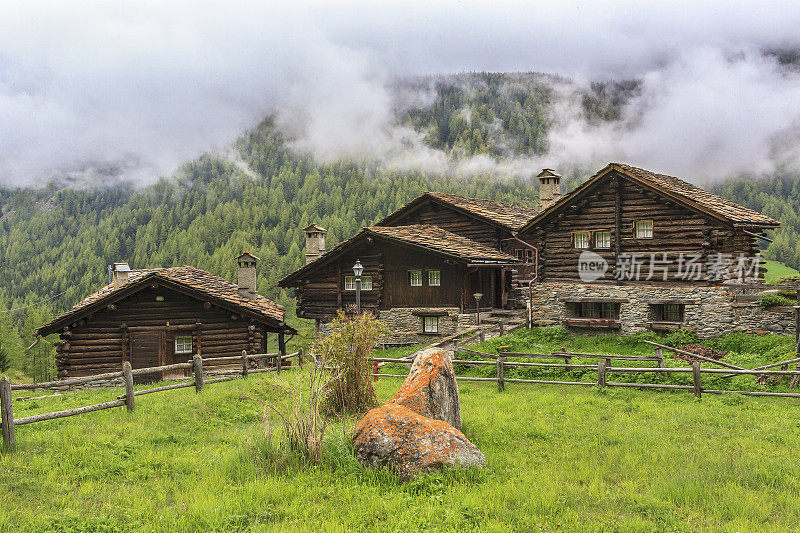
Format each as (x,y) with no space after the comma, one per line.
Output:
(643,229)
(581,239)
(366,283)
(525,255)
(415,278)
(183,345)
(602,239)
(430,324)
(434,278)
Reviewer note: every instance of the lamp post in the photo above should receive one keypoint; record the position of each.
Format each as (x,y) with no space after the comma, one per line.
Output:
(478,297)
(358,269)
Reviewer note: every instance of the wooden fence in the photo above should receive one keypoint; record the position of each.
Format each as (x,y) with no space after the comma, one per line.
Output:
(603,368)
(127,374)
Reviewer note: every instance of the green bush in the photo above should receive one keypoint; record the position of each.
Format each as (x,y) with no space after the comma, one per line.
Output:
(772,299)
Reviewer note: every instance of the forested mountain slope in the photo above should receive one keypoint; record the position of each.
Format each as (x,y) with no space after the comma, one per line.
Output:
(55,242)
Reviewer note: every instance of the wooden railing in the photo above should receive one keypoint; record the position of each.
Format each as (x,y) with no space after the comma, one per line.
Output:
(128,400)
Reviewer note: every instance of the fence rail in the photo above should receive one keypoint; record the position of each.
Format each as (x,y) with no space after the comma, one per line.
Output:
(128,400)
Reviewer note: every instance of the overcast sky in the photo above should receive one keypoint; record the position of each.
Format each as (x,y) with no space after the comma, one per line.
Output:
(146,85)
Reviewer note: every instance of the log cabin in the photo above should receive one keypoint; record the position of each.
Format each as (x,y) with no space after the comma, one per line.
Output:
(160,316)
(632,249)
(420,279)
(583,259)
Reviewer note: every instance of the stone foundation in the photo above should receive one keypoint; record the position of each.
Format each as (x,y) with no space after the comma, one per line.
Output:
(711,311)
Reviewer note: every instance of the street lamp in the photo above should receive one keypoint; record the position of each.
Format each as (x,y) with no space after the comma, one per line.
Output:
(358,269)
(478,297)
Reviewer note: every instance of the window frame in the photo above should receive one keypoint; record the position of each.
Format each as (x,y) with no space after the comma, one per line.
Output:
(411,277)
(438,278)
(599,310)
(180,345)
(595,234)
(636,229)
(588,235)
(434,319)
(366,283)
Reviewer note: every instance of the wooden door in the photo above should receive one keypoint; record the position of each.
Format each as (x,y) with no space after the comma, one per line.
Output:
(146,351)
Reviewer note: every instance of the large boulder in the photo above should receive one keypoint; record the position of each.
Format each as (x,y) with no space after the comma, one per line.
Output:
(420,428)
(430,388)
(411,443)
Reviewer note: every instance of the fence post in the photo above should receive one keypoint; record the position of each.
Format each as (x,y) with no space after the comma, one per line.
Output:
(501,383)
(7,411)
(795,379)
(601,373)
(660,356)
(502,328)
(482,335)
(300,358)
(244,363)
(130,397)
(567,360)
(698,390)
(197,363)
(281,351)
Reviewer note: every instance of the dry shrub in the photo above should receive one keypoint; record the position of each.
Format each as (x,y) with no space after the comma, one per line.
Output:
(699,350)
(303,425)
(348,348)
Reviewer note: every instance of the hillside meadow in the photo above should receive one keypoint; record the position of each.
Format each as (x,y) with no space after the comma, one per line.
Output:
(559,458)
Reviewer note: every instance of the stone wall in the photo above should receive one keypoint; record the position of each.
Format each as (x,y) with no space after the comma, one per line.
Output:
(710,310)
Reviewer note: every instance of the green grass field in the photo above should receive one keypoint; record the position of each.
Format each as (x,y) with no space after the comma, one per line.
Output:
(776,270)
(559,458)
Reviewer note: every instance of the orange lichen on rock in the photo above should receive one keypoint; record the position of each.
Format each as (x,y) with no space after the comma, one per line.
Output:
(411,443)
(420,428)
(430,388)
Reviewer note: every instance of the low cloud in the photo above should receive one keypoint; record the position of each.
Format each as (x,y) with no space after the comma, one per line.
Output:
(96,90)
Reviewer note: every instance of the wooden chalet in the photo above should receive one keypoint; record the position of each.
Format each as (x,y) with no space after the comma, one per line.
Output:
(494,224)
(405,266)
(624,210)
(162,316)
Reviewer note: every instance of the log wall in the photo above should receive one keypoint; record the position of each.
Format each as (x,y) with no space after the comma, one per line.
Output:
(615,207)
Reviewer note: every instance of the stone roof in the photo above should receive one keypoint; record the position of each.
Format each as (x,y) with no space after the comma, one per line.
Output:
(734,212)
(190,277)
(431,237)
(441,240)
(681,191)
(511,216)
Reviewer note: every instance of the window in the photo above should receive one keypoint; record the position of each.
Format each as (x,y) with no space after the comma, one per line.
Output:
(415,276)
(581,239)
(602,239)
(525,255)
(350,283)
(607,310)
(672,312)
(430,324)
(434,278)
(183,345)
(643,229)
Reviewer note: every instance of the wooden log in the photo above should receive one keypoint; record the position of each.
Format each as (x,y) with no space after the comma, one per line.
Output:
(703,358)
(698,389)
(69,412)
(501,386)
(601,373)
(300,358)
(198,373)
(163,368)
(67,382)
(130,398)
(7,415)
(660,357)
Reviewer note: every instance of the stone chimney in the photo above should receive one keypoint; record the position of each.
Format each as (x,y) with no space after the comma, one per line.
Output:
(549,188)
(247,275)
(119,273)
(315,241)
